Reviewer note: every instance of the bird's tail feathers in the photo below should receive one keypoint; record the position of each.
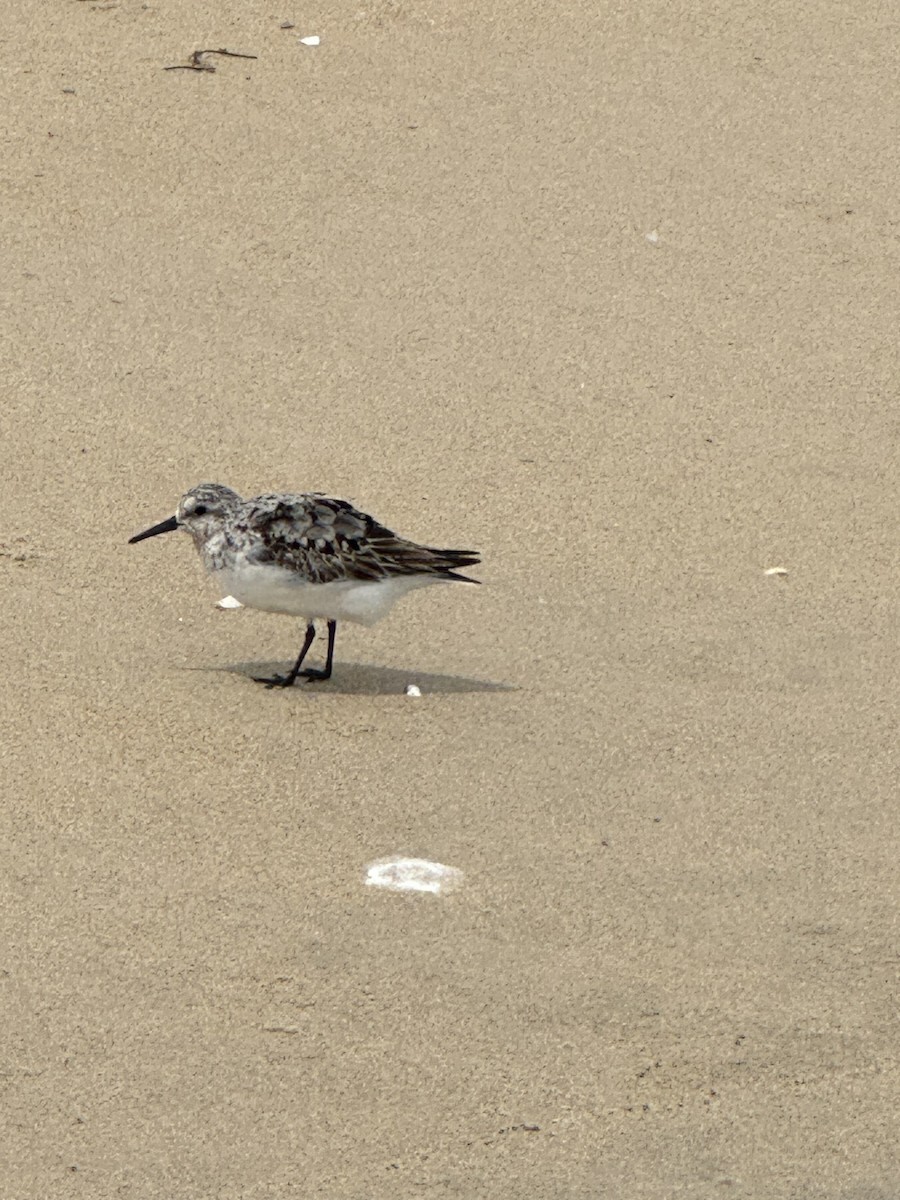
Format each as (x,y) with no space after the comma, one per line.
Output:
(449,561)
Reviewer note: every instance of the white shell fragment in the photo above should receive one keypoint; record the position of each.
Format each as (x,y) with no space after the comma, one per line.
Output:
(413,875)
(775,571)
(412,690)
(228,602)
(313,40)
(652,237)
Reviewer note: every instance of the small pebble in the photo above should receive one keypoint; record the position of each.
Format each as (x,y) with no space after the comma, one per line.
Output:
(313,40)
(412,690)
(413,875)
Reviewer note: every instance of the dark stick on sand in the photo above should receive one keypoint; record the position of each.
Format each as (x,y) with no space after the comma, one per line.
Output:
(196,62)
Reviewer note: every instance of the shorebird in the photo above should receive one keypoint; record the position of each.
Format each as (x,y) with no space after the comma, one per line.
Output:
(306,555)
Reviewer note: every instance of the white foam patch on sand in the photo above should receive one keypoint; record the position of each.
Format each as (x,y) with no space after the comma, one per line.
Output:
(413,875)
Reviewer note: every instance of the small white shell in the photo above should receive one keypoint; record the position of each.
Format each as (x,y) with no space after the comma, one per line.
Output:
(313,40)
(412,690)
(413,875)
(775,571)
(228,602)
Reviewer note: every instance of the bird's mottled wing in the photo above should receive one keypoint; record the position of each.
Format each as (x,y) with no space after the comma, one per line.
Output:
(325,540)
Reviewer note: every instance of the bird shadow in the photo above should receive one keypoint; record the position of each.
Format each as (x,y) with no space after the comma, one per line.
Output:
(366,679)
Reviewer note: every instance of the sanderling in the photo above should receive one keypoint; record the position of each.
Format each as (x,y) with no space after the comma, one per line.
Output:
(306,555)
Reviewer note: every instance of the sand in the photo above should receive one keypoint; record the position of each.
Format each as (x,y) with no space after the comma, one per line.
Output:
(609,293)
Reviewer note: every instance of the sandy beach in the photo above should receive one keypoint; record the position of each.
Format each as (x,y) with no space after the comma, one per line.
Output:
(607,293)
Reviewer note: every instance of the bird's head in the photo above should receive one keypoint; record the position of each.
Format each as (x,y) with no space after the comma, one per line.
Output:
(200,511)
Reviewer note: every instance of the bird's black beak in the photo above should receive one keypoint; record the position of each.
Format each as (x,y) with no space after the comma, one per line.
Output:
(162,527)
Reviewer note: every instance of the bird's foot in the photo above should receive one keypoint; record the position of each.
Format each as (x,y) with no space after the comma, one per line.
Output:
(315,675)
(277,681)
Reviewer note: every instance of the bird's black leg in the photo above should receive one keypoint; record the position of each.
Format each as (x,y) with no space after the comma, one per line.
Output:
(291,677)
(317,676)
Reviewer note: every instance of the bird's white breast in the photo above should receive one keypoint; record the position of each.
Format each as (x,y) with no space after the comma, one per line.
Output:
(275,589)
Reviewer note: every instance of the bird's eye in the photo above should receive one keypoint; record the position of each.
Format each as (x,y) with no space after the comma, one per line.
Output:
(200,510)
